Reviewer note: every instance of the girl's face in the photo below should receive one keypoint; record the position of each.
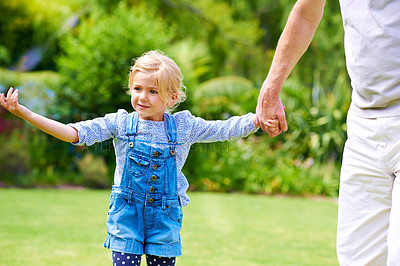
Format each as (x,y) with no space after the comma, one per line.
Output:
(145,98)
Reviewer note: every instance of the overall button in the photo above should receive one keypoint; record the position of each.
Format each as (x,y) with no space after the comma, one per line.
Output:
(153,178)
(172,152)
(151,200)
(130,144)
(155,166)
(151,190)
(155,154)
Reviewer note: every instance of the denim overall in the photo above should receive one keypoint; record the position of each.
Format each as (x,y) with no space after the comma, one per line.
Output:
(145,215)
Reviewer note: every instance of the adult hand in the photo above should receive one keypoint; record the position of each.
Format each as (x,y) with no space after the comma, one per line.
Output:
(269,106)
(294,41)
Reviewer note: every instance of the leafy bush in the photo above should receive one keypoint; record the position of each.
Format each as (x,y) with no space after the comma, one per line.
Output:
(94,171)
(97,58)
(304,160)
(32,158)
(15,159)
(253,165)
(42,79)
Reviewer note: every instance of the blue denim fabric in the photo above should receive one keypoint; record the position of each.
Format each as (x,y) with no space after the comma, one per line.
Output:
(145,214)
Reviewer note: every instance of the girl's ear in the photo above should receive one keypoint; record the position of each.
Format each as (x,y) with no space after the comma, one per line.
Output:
(173,100)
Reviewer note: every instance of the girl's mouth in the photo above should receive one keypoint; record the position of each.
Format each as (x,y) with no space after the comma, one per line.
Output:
(143,106)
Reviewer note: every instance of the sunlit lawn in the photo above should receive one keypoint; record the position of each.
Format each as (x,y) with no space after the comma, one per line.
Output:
(67,227)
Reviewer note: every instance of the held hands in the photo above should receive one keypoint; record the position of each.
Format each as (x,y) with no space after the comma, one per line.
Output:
(270,107)
(10,102)
(272,125)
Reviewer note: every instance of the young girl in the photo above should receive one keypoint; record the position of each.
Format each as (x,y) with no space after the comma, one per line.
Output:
(151,146)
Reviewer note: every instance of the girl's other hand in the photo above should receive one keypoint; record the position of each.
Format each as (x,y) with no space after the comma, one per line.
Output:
(273,126)
(51,127)
(10,102)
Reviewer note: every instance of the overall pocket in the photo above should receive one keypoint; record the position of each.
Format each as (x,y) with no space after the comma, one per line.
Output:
(169,224)
(175,212)
(138,164)
(117,204)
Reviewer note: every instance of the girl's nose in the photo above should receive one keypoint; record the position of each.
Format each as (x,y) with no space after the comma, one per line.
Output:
(143,96)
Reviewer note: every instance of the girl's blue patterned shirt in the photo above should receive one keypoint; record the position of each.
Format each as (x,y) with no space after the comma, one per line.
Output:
(190,129)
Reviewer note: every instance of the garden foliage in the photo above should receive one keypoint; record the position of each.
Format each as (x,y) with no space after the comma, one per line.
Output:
(79,66)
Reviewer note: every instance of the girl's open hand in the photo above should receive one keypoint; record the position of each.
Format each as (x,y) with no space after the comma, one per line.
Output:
(52,127)
(10,102)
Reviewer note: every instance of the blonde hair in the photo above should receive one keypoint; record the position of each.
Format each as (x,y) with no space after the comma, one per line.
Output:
(166,74)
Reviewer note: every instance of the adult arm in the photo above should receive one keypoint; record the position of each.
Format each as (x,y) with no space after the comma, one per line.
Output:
(52,127)
(294,41)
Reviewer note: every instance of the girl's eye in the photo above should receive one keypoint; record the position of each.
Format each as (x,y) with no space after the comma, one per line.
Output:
(153,92)
(136,88)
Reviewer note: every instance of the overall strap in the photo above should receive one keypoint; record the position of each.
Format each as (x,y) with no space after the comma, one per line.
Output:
(131,124)
(170,127)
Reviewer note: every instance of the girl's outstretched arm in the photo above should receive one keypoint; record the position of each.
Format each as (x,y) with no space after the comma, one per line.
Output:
(52,127)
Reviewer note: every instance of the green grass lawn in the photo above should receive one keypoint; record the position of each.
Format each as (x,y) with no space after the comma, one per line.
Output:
(67,227)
